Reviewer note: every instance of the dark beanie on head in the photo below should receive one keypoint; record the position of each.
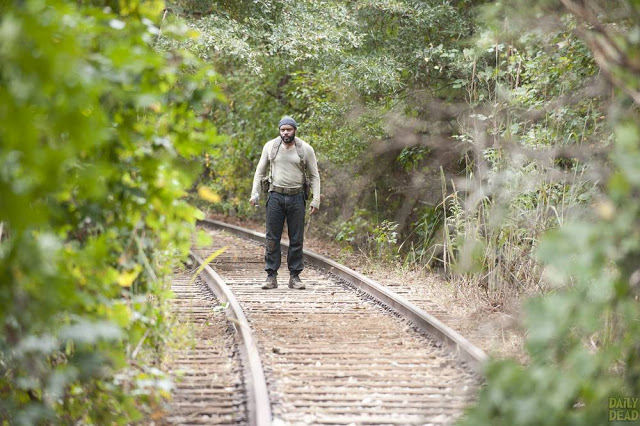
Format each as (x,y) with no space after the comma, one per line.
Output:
(287,120)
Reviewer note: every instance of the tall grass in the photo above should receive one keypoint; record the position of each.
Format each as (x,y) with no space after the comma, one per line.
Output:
(489,241)
(532,139)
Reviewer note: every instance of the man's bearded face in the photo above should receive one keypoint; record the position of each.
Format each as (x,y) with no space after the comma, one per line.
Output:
(287,133)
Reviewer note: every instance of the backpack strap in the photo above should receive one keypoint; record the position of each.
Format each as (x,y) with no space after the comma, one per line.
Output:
(275,147)
(303,162)
(306,186)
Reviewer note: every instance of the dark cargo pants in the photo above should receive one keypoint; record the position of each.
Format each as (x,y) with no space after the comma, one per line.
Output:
(291,208)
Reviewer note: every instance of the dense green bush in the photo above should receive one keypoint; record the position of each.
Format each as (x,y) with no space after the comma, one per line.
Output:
(367,234)
(97,133)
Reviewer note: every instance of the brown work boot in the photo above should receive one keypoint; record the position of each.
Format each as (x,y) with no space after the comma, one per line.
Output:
(271,282)
(296,283)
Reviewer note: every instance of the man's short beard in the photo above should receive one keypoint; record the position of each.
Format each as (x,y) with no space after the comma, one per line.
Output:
(288,139)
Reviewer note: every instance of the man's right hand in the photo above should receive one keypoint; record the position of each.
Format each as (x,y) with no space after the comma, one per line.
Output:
(254,202)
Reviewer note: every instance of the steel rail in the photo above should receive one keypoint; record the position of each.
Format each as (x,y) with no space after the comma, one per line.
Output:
(465,350)
(258,404)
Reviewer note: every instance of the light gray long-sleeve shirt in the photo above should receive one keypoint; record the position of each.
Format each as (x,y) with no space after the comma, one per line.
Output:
(286,172)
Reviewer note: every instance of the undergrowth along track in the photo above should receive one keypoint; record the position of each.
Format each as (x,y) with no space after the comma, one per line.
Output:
(333,355)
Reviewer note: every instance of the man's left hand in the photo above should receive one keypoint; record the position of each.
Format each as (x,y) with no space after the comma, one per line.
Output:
(313,210)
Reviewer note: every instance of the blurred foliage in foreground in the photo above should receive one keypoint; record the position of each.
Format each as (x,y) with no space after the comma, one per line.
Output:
(98,129)
(583,337)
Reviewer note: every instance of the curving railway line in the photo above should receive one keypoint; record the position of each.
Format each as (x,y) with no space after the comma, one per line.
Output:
(344,351)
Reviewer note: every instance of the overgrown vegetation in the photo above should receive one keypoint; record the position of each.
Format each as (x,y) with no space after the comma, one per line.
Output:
(450,134)
(533,135)
(582,337)
(97,136)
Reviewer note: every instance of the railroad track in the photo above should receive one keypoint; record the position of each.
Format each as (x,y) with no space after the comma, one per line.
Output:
(343,351)
(210,388)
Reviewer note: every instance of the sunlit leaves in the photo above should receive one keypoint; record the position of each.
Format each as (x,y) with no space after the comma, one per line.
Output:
(208,195)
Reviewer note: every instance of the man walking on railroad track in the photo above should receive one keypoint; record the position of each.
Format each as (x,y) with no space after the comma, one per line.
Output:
(286,172)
